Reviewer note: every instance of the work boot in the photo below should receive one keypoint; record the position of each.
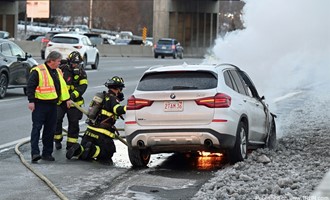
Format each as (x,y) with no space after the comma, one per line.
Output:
(35,158)
(72,151)
(58,145)
(87,150)
(48,158)
(107,162)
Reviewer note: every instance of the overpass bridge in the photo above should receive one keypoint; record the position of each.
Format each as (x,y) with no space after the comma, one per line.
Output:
(195,23)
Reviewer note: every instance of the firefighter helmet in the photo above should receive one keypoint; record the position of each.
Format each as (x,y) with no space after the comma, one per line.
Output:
(115,82)
(75,57)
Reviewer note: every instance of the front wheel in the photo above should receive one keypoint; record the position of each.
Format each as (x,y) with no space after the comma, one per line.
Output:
(271,140)
(84,62)
(138,157)
(239,151)
(3,85)
(96,63)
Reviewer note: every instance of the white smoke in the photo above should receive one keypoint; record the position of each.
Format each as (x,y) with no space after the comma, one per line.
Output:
(284,47)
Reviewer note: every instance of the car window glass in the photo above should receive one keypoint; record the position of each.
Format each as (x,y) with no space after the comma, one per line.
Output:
(87,41)
(5,49)
(238,82)
(228,80)
(165,42)
(65,40)
(16,50)
(178,80)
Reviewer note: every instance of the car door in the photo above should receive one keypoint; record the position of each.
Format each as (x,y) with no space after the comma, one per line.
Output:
(17,68)
(90,49)
(256,114)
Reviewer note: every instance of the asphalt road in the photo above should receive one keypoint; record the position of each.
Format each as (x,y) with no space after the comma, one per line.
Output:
(168,176)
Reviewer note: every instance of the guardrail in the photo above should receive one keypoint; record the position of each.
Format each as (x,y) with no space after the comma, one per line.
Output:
(107,50)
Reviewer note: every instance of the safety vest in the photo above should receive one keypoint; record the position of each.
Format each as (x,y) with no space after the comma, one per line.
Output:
(46,89)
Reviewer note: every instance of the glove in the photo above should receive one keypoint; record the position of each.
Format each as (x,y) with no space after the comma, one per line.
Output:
(120,96)
(72,96)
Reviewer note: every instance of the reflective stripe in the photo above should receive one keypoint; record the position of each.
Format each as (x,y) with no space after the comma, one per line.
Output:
(76,93)
(125,108)
(58,137)
(83,81)
(103,131)
(72,140)
(97,152)
(115,108)
(106,113)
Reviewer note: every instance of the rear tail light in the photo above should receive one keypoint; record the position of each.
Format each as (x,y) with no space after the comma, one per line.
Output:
(220,100)
(155,46)
(44,40)
(77,47)
(173,46)
(136,104)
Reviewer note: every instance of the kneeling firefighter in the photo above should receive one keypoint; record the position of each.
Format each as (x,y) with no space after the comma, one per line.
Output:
(97,142)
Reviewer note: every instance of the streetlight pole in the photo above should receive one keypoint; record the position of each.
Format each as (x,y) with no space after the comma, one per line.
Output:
(90,13)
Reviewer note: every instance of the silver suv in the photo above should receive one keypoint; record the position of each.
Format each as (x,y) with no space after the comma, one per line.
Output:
(191,108)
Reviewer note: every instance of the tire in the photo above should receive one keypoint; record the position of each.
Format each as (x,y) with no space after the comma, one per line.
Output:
(96,63)
(271,142)
(139,158)
(3,85)
(43,55)
(84,62)
(239,151)
(156,55)
(163,57)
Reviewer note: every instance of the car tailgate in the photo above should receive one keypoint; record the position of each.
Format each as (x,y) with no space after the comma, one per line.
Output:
(175,108)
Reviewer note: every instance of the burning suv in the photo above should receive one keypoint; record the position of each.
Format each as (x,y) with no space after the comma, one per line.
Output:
(192,108)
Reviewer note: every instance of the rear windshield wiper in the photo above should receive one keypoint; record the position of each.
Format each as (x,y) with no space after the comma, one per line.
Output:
(183,88)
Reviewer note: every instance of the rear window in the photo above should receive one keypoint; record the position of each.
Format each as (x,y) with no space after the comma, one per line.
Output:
(179,80)
(165,42)
(65,40)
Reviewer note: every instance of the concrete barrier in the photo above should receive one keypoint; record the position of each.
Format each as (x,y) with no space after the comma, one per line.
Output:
(106,50)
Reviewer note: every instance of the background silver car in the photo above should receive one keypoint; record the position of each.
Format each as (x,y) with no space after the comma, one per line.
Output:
(190,108)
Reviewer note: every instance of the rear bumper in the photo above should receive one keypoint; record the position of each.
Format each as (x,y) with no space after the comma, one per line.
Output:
(180,140)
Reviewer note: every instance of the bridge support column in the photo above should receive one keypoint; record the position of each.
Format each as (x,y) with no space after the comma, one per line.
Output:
(194,23)
(9,17)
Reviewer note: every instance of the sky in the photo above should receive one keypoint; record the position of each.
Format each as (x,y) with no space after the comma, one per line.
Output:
(285,46)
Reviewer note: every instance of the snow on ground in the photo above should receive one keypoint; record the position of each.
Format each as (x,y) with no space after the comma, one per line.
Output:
(294,169)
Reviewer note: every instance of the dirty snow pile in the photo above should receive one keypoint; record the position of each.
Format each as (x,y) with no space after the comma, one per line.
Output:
(294,169)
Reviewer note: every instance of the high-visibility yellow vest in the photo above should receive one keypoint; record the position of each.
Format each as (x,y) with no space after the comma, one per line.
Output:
(46,89)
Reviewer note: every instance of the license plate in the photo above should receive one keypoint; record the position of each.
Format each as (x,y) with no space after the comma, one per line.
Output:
(163,47)
(173,106)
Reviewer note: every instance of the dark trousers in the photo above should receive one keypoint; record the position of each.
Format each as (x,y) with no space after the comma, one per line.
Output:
(74,115)
(43,116)
(105,143)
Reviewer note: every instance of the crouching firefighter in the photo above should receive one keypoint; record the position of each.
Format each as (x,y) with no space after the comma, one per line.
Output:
(76,79)
(97,142)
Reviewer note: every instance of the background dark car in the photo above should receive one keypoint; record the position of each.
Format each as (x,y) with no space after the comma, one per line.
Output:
(45,41)
(168,47)
(15,67)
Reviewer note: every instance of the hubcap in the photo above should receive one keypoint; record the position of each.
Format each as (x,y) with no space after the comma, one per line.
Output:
(243,143)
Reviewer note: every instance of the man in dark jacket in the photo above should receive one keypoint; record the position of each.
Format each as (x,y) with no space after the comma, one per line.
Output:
(97,142)
(45,88)
(76,80)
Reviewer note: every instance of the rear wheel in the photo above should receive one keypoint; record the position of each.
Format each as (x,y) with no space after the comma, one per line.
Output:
(138,157)
(96,63)
(3,85)
(163,57)
(156,55)
(239,152)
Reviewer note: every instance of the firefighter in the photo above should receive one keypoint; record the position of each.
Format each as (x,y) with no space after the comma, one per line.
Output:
(97,142)
(76,80)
